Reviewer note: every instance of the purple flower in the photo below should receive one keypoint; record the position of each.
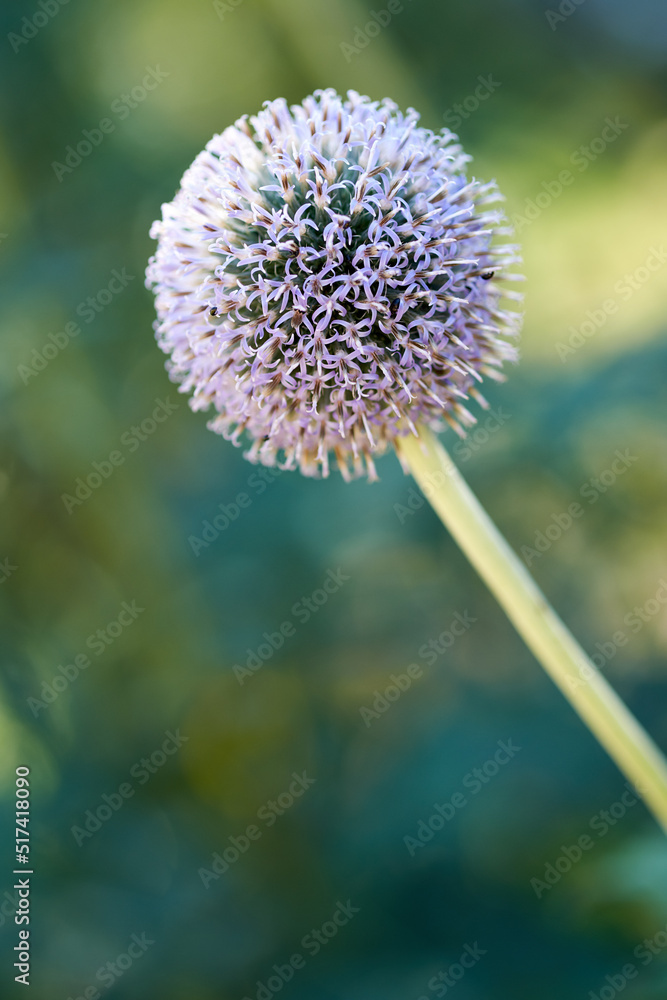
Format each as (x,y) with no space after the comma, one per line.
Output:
(326,279)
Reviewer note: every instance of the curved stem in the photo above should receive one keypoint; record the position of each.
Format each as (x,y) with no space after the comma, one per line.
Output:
(597,703)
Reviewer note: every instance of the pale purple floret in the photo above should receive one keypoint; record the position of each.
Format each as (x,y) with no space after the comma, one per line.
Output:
(326,279)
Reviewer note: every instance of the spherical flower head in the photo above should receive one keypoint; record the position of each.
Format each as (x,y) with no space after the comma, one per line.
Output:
(326,278)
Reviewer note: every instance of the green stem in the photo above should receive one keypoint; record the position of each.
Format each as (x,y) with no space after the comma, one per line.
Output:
(562,657)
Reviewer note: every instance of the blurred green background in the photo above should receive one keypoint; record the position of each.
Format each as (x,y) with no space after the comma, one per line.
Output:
(553,80)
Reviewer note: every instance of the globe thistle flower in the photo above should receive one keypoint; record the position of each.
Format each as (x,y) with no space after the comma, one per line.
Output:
(326,279)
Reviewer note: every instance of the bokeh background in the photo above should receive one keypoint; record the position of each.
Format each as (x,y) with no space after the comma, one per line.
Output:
(556,79)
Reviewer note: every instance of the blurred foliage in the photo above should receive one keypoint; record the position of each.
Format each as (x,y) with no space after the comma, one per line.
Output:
(173,668)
